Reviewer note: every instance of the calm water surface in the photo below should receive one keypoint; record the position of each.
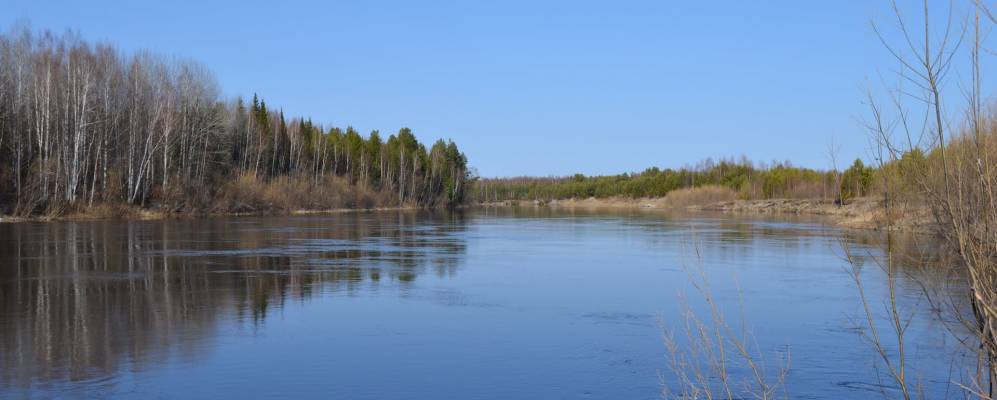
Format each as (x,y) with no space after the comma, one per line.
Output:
(528,304)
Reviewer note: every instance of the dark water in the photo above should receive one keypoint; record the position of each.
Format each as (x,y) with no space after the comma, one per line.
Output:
(473,305)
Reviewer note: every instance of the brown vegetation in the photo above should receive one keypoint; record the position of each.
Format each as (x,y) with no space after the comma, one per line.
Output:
(249,194)
(698,196)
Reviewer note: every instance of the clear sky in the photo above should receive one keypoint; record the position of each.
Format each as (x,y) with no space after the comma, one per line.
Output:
(531,87)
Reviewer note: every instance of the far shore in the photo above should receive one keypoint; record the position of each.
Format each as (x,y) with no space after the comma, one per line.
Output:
(860,213)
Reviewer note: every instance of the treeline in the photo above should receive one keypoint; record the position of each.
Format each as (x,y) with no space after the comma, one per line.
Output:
(750,181)
(84,124)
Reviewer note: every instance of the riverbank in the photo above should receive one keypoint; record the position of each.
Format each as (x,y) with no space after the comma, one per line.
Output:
(861,213)
(146,214)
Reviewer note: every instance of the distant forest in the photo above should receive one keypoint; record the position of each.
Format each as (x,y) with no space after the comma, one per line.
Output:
(84,125)
(743,177)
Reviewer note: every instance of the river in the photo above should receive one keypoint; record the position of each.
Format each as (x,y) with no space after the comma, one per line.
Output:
(479,304)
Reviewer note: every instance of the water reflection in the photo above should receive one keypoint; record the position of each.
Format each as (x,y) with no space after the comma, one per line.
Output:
(81,301)
(736,239)
(529,303)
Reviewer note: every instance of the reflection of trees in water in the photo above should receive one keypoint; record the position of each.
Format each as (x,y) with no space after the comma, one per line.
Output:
(734,240)
(83,300)
(915,256)
(731,236)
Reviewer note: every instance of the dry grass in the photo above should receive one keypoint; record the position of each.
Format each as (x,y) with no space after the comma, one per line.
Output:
(698,196)
(250,194)
(108,210)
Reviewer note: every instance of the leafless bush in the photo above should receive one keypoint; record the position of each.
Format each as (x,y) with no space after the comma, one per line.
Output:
(711,358)
(894,363)
(948,168)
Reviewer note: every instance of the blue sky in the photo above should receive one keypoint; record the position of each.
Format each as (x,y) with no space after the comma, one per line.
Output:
(532,88)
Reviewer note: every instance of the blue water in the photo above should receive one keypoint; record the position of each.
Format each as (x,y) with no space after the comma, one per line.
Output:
(482,304)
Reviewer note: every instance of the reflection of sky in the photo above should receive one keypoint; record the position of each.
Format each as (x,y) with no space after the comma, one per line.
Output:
(500,304)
